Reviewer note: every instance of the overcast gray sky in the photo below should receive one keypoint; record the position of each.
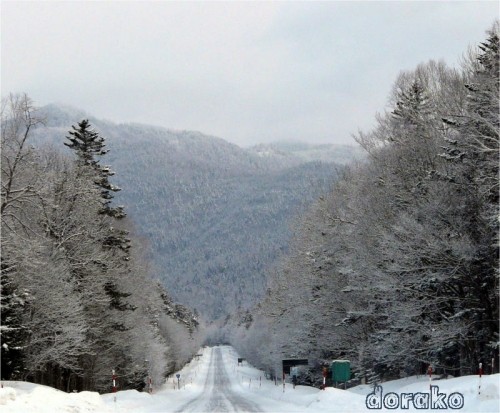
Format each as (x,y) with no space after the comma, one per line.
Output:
(248,72)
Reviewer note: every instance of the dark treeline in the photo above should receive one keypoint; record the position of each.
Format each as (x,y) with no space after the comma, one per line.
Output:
(77,297)
(397,268)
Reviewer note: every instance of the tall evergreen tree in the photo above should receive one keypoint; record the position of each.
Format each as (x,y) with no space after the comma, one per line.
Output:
(89,147)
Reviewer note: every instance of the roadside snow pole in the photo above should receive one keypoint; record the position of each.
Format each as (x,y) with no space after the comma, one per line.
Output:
(283,381)
(149,382)
(429,371)
(480,374)
(150,385)
(114,384)
(260,381)
(325,372)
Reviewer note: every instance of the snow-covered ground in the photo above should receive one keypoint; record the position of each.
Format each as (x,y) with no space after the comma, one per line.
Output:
(216,383)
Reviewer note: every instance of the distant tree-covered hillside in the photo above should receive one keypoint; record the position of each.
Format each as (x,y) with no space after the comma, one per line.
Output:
(216,215)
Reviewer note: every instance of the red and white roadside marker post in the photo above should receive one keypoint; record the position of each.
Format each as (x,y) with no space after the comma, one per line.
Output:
(429,371)
(149,381)
(480,375)
(114,384)
(325,373)
(150,385)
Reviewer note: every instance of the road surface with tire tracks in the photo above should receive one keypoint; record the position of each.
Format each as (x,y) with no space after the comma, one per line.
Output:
(219,395)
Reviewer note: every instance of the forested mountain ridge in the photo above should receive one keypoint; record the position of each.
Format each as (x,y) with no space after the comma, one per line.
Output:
(217,216)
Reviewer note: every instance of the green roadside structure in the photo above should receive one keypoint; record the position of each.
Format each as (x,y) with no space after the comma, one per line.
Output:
(341,371)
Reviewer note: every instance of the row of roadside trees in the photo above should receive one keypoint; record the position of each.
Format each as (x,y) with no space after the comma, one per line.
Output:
(397,268)
(78,299)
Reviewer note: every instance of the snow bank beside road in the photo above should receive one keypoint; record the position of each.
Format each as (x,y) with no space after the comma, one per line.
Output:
(23,397)
(248,383)
(354,399)
(7,394)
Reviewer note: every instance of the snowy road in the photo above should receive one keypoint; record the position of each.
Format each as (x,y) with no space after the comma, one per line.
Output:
(219,394)
(213,382)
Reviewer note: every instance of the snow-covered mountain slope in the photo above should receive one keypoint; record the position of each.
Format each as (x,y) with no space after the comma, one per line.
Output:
(216,216)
